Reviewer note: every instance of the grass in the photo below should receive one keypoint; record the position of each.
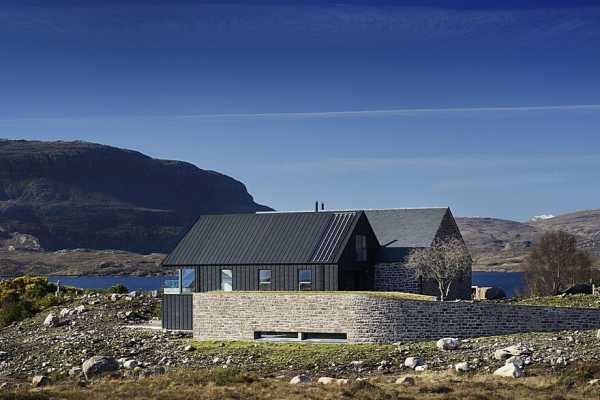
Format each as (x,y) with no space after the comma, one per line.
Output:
(230,384)
(574,301)
(276,358)
(390,295)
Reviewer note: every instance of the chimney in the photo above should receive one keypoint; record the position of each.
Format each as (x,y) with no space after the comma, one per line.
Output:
(322,206)
(317,206)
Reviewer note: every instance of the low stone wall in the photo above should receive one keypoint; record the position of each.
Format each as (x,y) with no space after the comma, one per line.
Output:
(368,318)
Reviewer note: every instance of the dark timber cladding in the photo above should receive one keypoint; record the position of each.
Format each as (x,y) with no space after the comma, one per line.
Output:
(177,312)
(283,243)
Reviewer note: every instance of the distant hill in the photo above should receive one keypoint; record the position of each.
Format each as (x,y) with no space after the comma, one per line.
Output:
(86,195)
(498,244)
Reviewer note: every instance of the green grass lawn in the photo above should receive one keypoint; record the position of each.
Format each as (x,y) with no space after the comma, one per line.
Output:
(391,295)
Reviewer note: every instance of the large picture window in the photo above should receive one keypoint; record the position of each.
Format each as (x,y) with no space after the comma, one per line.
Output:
(264,279)
(305,280)
(361,248)
(226,280)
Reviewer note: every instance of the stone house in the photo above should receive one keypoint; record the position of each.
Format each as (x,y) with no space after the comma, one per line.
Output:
(349,250)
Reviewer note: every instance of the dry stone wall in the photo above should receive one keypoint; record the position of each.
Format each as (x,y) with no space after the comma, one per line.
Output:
(372,319)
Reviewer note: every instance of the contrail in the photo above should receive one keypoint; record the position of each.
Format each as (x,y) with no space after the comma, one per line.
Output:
(331,114)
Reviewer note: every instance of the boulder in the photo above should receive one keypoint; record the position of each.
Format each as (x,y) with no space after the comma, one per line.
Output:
(448,344)
(75,371)
(510,371)
(79,309)
(406,381)
(64,312)
(517,361)
(421,368)
(325,380)
(462,367)
(508,352)
(40,381)
(300,380)
(341,382)
(580,288)
(413,362)
(130,364)
(99,364)
(51,320)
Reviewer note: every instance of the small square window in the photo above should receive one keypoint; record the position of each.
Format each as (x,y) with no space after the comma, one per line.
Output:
(264,279)
(305,279)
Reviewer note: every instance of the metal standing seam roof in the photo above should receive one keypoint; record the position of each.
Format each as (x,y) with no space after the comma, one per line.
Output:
(269,238)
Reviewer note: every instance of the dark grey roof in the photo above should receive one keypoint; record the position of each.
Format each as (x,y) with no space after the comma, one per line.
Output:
(400,230)
(265,238)
(410,227)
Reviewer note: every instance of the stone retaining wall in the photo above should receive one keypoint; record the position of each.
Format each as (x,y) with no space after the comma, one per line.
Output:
(372,319)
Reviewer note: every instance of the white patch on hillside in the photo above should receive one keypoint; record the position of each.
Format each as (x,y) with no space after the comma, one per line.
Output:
(541,217)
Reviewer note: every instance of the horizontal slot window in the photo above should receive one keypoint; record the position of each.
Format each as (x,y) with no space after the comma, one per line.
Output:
(324,336)
(276,335)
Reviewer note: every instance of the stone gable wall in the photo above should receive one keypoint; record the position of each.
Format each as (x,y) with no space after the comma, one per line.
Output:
(373,319)
(395,277)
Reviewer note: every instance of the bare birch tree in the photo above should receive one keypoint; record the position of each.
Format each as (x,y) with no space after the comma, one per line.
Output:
(555,263)
(445,262)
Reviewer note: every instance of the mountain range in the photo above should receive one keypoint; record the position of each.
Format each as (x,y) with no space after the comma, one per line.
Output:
(129,208)
(86,195)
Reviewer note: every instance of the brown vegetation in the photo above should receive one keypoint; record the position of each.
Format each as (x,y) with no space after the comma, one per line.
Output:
(231,384)
(555,264)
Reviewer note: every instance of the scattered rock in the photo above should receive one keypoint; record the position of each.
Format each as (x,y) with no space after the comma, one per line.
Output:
(510,371)
(325,380)
(413,362)
(594,382)
(75,371)
(300,380)
(51,320)
(79,309)
(517,361)
(421,368)
(342,382)
(406,381)
(189,347)
(448,344)
(64,312)
(99,364)
(40,381)
(507,352)
(130,364)
(462,367)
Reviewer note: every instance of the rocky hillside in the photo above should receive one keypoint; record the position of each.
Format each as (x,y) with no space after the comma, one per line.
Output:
(78,194)
(498,244)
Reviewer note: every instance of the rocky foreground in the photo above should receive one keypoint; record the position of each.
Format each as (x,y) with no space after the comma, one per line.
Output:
(90,336)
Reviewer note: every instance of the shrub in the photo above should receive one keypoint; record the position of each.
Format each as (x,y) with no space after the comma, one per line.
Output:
(15,312)
(118,288)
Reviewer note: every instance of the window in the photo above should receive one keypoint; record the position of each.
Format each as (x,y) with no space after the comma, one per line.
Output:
(361,248)
(188,280)
(183,282)
(305,279)
(264,279)
(226,280)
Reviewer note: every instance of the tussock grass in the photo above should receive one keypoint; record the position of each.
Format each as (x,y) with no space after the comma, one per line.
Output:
(229,384)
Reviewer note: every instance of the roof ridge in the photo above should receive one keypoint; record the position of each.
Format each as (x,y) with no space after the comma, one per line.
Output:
(352,210)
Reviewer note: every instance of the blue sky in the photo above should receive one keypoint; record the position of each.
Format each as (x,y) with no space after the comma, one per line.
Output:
(490,107)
